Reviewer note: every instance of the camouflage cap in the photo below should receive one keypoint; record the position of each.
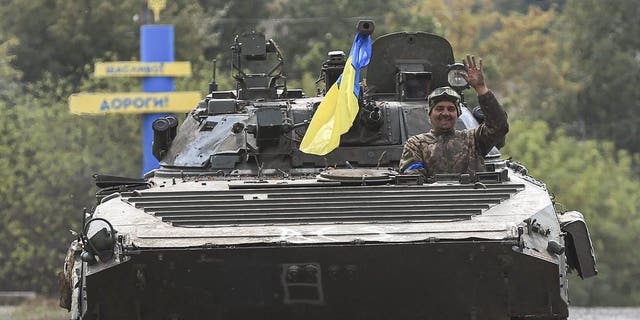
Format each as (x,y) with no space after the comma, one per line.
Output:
(444,94)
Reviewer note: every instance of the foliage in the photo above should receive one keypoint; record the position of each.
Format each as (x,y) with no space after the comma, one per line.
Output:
(555,60)
(603,55)
(60,37)
(595,179)
(66,36)
(524,5)
(40,308)
(46,158)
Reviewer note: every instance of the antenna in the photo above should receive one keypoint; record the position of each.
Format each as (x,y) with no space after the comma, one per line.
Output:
(213,86)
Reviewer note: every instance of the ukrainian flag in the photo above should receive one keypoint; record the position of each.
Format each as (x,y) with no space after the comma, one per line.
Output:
(339,107)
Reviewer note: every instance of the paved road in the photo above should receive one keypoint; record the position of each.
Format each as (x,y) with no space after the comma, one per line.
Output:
(576,313)
(602,313)
(5,311)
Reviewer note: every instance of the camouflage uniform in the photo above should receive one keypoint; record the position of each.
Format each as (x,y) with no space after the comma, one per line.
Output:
(457,151)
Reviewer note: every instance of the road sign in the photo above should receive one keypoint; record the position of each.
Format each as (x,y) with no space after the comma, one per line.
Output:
(140,102)
(142,69)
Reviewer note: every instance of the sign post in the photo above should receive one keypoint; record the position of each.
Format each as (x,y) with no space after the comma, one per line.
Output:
(158,97)
(156,45)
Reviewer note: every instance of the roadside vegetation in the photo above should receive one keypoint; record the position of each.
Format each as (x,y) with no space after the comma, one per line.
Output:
(40,308)
(567,75)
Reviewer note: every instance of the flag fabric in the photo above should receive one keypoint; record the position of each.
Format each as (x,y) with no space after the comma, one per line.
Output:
(339,107)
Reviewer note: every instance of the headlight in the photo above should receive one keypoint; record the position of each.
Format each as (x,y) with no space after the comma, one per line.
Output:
(456,76)
(99,239)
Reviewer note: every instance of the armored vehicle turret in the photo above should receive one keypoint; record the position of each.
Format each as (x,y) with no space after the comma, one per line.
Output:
(238,223)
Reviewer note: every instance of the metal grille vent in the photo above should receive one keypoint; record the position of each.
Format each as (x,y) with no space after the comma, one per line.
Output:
(320,205)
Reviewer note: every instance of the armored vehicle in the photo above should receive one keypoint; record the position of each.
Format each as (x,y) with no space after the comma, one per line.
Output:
(237,223)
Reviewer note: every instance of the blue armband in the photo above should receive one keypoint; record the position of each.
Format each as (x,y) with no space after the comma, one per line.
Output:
(414,166)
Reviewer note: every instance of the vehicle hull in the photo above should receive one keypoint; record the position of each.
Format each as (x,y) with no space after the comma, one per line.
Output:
(471,279)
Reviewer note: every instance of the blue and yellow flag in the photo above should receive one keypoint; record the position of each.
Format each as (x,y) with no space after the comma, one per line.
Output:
(339,107)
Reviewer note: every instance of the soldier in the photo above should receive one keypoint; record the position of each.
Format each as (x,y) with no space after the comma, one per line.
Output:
(446,150)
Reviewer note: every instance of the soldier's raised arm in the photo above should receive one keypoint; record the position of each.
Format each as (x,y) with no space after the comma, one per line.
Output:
(495,126)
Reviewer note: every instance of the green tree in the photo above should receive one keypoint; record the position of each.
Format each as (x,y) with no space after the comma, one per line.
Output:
(60,37)
(573,76)
(523,6)
(519,49)
(47,157)
(604,60)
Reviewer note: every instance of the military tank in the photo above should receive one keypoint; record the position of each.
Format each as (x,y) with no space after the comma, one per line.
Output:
(238,223)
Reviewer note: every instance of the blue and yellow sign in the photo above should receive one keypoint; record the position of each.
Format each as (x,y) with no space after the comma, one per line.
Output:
(142,69)
(139,102)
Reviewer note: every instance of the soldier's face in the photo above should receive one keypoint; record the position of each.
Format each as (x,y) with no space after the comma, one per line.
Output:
(444,115)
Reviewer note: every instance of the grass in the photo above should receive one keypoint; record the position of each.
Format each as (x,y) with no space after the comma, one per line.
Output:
(40,308)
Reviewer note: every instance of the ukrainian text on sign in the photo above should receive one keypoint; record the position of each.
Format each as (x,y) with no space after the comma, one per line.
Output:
(159,102)
(142,69)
